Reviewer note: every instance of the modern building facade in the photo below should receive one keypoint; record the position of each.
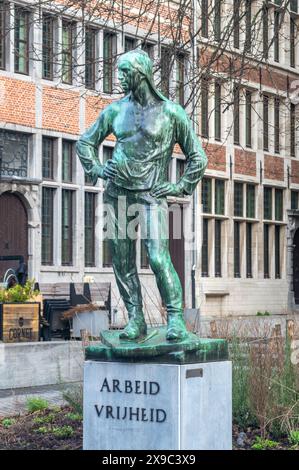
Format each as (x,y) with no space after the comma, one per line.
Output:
(58,71)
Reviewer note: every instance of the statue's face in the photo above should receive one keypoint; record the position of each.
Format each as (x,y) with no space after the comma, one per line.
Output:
(128,77)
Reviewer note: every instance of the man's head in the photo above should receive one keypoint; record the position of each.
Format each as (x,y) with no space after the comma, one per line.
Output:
(134,67)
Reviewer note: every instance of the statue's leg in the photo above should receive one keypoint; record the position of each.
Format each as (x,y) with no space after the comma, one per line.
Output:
(168,282)
(123,250)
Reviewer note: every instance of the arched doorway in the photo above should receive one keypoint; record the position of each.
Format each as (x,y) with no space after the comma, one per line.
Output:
(13,231)
(296,267)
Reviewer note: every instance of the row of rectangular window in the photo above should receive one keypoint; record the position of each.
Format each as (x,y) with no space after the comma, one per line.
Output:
(213,199)
(205,117)
(250,28)
(67,223)
(68,53)
(216,239)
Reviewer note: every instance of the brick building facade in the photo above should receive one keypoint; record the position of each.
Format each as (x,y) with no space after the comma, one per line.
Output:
(245,213)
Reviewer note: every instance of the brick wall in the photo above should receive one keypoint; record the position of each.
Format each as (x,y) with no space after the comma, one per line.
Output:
(60,110)
(216,156)
(245,162)
(17,102)
(273,168)
(295,172)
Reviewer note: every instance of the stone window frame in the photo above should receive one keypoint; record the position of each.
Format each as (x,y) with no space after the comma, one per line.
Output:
(273,231)
(214,226)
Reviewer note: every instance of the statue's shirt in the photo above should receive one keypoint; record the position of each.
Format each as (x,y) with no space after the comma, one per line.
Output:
(145,138)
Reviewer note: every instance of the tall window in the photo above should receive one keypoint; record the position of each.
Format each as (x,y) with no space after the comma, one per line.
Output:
(276,35)
(180,168)
(237,260)
(90,58)
(47,225)
(165,70)
(248,119)
(180,79)
(2,34)
(90,204)
(130,43)
(107,252)
(47,157)
(236,115)
(205,18)
(149,49)
(108,65)
(238,199)
(277,251)
(67,161)
(278,204)
(248,250)
(248,14)
(217,110)
(67,228)
(292,42)
(250,201)
(219,197)
(294,200)
(294,6)
(266,122)
(205,248)
(21,40)
(206,195)
(218,271)
(276,125)
(266,252)
(267,203)
(293,130)
(67,51)
(217,20)
(48,47)
(204,108)
(237,23)
(265,13)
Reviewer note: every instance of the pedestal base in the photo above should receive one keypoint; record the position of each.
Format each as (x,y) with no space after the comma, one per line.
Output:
(143,406)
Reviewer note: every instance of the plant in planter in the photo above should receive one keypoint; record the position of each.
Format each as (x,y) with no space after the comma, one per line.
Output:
(19,313)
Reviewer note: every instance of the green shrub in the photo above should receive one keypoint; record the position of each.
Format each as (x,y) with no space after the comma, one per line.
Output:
(42,430)
(294,437)
(44,419)
(36,404)
(263,444)
(7,422)
(19,293)
(74,416)
(63,432)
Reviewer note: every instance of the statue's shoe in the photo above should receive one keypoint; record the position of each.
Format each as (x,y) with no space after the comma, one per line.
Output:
(134,329)
(176,329)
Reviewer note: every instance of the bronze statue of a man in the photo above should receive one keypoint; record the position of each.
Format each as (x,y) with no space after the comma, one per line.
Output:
(146,126)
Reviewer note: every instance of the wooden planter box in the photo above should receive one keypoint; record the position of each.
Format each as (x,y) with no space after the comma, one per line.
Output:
(19,323)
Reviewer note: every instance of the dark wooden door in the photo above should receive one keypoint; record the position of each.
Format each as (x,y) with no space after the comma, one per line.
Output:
(13,231)
(177,245)
(296,267)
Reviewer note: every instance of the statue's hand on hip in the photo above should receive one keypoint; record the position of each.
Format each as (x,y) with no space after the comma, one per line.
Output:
(165,189)
(109,170)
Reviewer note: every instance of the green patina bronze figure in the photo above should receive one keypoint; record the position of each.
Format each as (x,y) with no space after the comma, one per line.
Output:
(146,126)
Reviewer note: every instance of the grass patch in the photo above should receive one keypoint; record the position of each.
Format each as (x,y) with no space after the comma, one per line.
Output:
(34,404)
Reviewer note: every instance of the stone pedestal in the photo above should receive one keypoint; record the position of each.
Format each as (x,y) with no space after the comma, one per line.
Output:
(155,406)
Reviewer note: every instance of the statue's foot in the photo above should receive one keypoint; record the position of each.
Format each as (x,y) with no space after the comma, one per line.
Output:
(134,329)
(176,329)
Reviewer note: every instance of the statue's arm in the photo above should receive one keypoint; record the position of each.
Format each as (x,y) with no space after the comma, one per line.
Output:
(195,155)
(88,144)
